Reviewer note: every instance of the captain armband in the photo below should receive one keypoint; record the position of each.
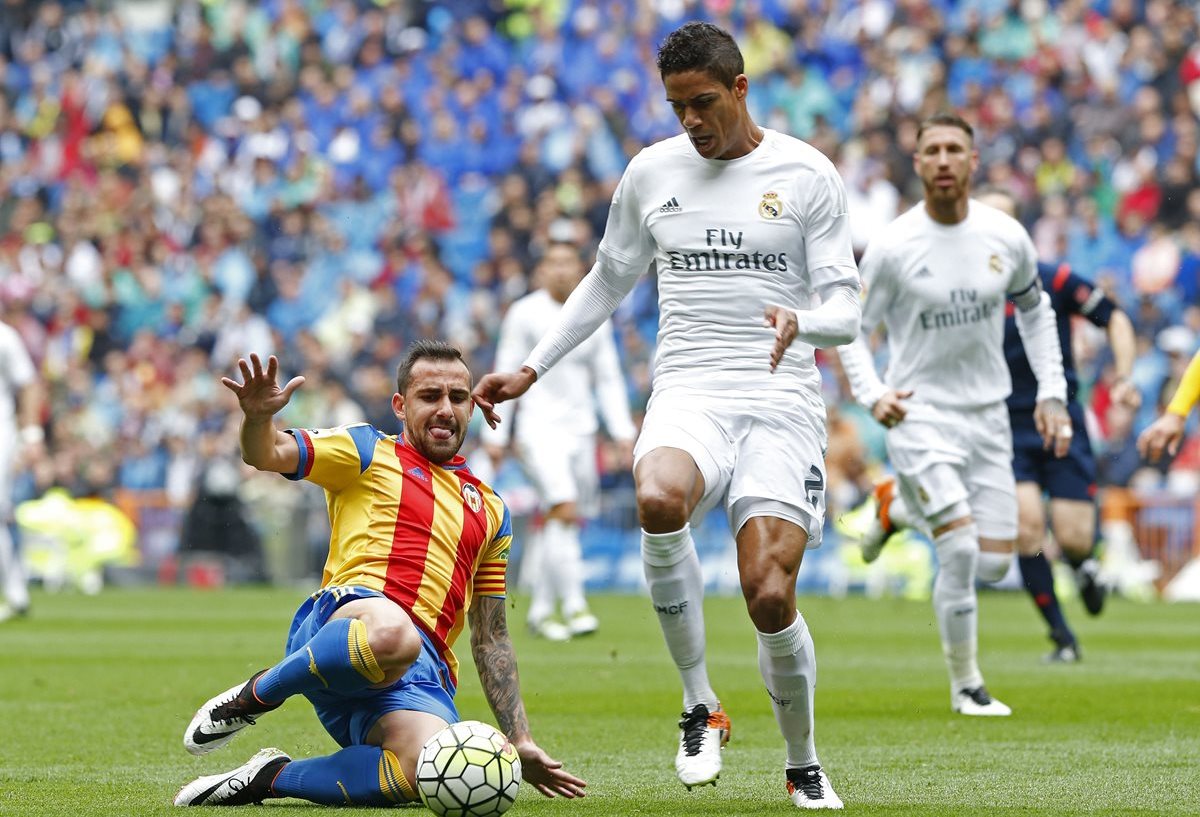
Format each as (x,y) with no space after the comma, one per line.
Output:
(1029,297)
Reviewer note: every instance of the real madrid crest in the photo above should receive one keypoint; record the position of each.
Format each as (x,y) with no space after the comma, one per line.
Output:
(471,497)
(770,207)
(994,264)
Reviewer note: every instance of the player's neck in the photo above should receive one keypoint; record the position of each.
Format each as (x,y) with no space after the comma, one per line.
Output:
(948,213)
(751,139)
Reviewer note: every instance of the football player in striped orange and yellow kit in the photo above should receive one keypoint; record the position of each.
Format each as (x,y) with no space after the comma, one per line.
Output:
(418,545)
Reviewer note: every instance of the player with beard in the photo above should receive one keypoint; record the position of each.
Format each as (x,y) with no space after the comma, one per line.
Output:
(937,279)
(419,545)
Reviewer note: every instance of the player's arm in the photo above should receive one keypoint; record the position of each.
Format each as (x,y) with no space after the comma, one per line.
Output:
(496,662)
(625,253)
(611,392)
(1122,339)
(886,405)
(832,274)
(1038,329)
(514,344)
(1082,297)
(263,445)
(834,323)
(1166,433)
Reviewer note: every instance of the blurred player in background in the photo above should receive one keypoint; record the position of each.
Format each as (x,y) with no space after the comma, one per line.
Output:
(1070,481)
(937,279)
(555,439)
(748,230)
(419,545)
(20,435)
(1165,434)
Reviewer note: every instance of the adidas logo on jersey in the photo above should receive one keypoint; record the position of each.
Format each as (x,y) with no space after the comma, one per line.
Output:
(923,272)
(671,206)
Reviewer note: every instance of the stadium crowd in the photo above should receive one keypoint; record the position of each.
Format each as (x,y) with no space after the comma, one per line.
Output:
(184,183)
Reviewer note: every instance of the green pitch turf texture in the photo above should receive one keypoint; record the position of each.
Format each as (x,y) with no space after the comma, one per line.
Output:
(95,693)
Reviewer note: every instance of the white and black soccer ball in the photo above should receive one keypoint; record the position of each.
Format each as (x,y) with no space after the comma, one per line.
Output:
(469,769)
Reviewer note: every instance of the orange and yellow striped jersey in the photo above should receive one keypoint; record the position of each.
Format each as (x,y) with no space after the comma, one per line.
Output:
(429,537)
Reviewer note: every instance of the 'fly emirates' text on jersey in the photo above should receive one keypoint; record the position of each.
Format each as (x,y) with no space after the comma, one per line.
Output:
(940,291)
(728,238)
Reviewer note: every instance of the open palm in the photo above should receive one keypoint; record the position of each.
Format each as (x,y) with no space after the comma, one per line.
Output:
(259,394)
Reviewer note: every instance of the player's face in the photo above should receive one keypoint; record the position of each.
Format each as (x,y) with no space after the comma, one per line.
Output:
(435,408)
(945,160)
(713,116)
(561,271)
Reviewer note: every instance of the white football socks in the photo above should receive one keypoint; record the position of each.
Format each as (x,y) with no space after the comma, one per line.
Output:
(955,606)
(672,572)
(533,570)
(12,575)
(563,564)
(788,663)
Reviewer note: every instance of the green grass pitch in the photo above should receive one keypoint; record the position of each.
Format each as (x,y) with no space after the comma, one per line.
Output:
(95,693)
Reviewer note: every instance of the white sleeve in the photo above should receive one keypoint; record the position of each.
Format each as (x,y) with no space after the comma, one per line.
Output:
(827,246)
(1036,322)
(511,349)
(625,252)
(1038,329)
(857,361)
(592,302)
(610,387)
(15,364)
(836,321)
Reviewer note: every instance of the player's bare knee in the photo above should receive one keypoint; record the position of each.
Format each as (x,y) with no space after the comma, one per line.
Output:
(770,601)
(395,645)
(1030,537)
(661,508)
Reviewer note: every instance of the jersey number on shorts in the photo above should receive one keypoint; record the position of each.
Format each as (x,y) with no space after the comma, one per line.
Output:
(814,485)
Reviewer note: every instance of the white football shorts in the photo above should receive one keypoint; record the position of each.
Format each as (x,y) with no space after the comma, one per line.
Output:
(562,468)
(943,455)
(763,454)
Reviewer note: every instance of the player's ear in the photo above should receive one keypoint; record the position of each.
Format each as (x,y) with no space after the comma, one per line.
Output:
(741,86)
(398,405)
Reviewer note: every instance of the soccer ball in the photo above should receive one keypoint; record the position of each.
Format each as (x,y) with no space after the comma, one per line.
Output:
(468,769)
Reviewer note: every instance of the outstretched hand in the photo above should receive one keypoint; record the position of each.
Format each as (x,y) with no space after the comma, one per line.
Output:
(546,774)
(500,386)
(259,395)
(1162,436)
(784,322)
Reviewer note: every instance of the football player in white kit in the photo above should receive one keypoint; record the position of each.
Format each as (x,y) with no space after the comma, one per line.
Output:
(749,233)
(937,278)
(19,428)
(555,438)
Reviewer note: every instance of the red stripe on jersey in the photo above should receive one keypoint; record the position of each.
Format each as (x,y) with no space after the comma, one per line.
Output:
(474,529)
(1060,277)
(414,526)
(309,454)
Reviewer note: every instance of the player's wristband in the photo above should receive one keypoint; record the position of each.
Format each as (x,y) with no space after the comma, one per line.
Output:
(32,434)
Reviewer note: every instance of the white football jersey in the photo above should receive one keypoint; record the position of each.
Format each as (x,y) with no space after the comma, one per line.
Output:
(564,399)
(16,371)
(941,290)
(728,238)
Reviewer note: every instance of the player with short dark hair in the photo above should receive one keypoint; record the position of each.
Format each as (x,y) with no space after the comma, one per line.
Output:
(419,546)
(749,233)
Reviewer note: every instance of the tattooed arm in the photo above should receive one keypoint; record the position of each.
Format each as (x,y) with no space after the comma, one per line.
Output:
(497,666)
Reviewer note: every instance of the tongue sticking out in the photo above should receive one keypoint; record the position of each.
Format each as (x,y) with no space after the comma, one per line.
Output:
(441,433)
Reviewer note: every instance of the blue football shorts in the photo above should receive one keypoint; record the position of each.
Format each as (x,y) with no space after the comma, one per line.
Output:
(1070,477)
(426,687)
